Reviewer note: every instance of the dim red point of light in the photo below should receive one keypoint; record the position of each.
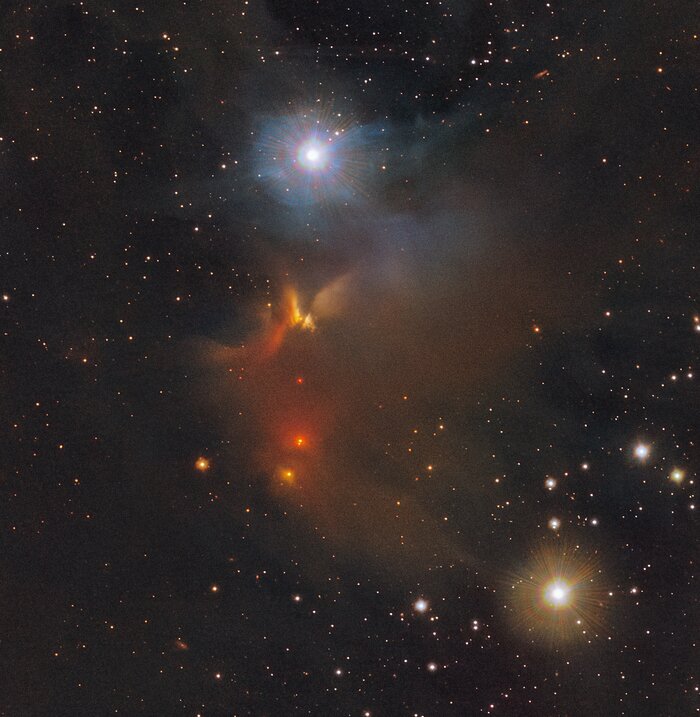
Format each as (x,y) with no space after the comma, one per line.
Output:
(300,380)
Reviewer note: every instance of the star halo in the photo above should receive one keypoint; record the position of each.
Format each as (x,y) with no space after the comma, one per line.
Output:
(558,596)
(314,156)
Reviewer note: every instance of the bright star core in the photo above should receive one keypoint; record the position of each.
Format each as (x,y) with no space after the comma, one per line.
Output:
(557,594)
(420,605)
(642,451)
(312,156)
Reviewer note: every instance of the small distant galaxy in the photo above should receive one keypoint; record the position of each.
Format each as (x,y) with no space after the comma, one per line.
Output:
(350,359)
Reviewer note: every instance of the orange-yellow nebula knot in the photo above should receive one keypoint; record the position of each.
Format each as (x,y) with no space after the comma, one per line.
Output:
(294,314)
(202,464)
(286,474)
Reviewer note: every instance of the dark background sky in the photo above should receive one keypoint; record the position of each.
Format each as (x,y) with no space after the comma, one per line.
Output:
(504,280)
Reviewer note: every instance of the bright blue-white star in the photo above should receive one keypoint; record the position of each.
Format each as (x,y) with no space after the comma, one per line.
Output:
(642,451)
(313,156)
(420,605)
